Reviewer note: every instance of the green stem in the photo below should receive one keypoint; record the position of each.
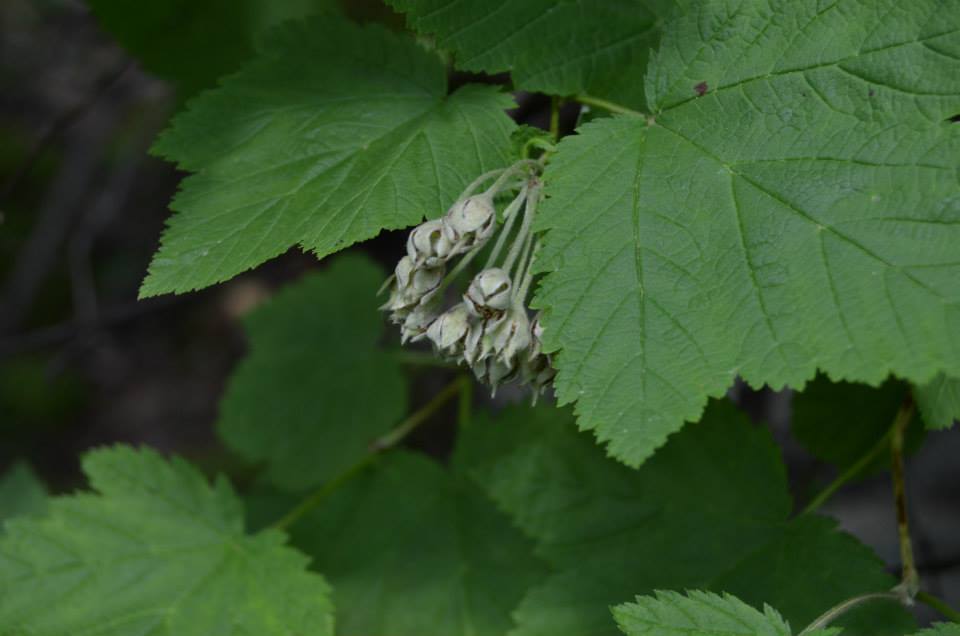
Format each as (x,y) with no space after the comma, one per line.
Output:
(476,182)
(379,445)
(510,216)
(509,172)
(932,601)
(910,580)
(855,469)
(529,211)
(555,117)
(613,107)
(406,427)
(838,610)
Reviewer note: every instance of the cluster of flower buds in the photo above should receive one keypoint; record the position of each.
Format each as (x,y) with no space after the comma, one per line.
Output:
(489,329)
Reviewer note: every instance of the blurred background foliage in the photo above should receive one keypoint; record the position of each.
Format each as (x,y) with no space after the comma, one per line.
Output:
(84,89)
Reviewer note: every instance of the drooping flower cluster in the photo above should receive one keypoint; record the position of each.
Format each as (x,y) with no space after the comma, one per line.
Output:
(489,329)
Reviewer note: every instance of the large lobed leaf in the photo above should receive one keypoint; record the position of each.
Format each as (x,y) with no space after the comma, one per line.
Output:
(709,511)
(333,133)
(316,389)
(791,204)
(412,549)
(155,550)
(563,48)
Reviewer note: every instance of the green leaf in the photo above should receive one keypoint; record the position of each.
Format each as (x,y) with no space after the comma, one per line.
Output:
(939,401)
(194,43)
(791,205)
(710,511)
(413,550)
(332,134)
(21,493)
(594,46)
(840,422)
(696,614)
(155,550)
(315,390)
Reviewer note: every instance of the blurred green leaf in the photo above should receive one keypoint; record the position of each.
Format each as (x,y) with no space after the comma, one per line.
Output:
(316,388)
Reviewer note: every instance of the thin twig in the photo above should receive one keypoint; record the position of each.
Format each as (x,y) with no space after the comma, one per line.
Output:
(852,471)
(555,117)
(838,610)
(613,107)
(61,124)
(932,601)
(910,580)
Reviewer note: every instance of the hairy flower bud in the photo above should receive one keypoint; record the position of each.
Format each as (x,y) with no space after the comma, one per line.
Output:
(426,244)
(449,331)
(536,337)
(412,285)
(416,323)
(512,335)
(494,372)
(489,293)
(473,216)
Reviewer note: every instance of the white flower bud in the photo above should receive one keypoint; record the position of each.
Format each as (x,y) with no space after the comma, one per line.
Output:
(416,323)
(449,330)
(494,372)
(473,216)
(471,343)
(536,337)
(426,244)
(512,335)
(489,293)
(412,285)
(403,271)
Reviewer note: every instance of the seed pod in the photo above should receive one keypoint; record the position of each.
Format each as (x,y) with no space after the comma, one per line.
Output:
(426,245)
(512,336)
(449,330)
(489,293)
(473,216)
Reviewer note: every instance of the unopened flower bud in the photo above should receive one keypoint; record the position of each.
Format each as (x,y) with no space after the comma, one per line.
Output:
(512,336)
(473,216)
(536,337)
(426,244)
(419,283)
(449,330)
(489,293)
(417,322)
(403,271)
(494,372)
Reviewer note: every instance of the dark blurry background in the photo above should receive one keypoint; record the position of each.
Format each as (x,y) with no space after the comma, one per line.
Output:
(83,363)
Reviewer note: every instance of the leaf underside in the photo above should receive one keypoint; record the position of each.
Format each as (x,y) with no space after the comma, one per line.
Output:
(939,401)
(792,205)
